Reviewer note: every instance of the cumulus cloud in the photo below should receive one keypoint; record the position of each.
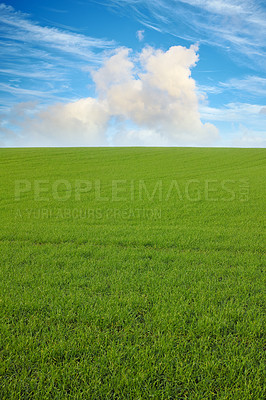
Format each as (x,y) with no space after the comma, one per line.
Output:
(80,123)
(148,98)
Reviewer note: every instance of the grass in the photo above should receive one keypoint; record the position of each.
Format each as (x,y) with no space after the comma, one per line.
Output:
(156,292)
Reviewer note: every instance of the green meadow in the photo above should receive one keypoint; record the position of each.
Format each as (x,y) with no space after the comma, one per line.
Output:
(132,273)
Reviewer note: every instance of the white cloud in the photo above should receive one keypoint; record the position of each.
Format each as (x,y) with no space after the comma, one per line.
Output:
(140,35)
(17,26)
(79,123)
(31,73)
(234,112)
(141,137)
(251,84)
(47,59)
(22,92)
(56,10)
(249,138)
(221,7)
(238,26)
(248,86)
(153,92)
(116,70)
(246,123)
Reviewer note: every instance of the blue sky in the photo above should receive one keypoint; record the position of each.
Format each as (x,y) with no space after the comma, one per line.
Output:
(133,72)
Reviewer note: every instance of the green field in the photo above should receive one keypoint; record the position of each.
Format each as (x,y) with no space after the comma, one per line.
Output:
(132,273)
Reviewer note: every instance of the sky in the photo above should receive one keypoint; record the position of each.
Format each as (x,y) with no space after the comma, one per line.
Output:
(133,73)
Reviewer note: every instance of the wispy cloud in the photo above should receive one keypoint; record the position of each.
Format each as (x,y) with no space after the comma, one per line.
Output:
(251,84)
(24,92)
(56,10)
(238,26)
(233,112)
(17,26)
(247,137)
(252,88)
(243,8)
(245,122)
(43,60)
(31,72)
